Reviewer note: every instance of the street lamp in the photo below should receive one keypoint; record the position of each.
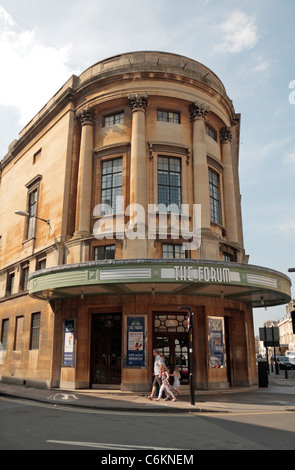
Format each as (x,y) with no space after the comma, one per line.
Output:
(190,322)
(26,214)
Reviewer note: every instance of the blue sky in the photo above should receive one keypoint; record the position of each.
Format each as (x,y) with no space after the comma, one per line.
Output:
(249,45)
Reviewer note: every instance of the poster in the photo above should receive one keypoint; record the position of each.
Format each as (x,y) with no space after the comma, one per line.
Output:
(216,342)
(68,356)
(135,342)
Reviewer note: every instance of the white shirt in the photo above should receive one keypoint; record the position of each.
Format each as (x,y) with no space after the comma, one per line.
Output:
(159,361)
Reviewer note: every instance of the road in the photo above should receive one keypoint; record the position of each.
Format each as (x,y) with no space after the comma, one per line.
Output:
(27,425)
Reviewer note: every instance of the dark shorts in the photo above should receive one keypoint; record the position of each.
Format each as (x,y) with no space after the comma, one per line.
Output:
(157,380)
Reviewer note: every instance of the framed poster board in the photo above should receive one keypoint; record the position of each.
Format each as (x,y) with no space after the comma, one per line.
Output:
(217,357)
(68,343)
(135,356)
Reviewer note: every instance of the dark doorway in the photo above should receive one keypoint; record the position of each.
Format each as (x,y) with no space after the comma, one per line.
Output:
(106,345)
(170,337)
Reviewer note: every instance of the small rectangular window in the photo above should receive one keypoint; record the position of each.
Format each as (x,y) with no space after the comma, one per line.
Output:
(4,333)
(174,251)
(36,156)
(104,252)
(24,278)
(211,133)
(35,330)
(10,283)
(168,116)
(114,119)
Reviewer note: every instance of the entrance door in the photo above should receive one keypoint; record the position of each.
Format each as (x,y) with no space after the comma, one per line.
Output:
(171,339)
(106,354)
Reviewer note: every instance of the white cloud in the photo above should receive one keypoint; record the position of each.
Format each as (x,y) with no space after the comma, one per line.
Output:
(32,71)
(5,17)
(290,158)
(238,31)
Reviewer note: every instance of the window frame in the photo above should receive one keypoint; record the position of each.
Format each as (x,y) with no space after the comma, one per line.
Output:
(4,333)
(161,185)
(171,117)
(113,187)
(174,249)
(35,331)
(104,249)
(110,120)
(215,202)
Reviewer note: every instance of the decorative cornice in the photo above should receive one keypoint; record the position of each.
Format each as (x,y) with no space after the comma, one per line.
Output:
(138,102)
(86,116)
(198,111)
(225,135)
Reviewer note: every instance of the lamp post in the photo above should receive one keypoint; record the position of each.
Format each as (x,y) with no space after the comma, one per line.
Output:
(47,221)
(26,214)
(190,321)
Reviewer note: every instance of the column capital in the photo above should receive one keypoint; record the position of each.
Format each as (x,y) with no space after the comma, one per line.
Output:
(225,135)
(138,102)
(86,116)
(198,110)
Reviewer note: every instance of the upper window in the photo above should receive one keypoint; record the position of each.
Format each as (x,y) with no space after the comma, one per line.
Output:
(114,119)
(35,330)
(174,252)
(215,200)
(4,333)
(104,252)
(168,116)
(32,213)
(169,182)
(111,184)
(211,133)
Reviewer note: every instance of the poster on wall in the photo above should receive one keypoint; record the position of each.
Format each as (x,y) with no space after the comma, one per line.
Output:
(135,342)
(68,356)
(216,342)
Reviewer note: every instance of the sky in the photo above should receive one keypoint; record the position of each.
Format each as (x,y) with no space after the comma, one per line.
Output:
(249,45)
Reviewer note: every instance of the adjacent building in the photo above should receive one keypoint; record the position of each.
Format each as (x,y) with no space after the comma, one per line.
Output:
(119,204)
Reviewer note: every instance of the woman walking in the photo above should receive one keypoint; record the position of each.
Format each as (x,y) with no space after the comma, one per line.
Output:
(164,376)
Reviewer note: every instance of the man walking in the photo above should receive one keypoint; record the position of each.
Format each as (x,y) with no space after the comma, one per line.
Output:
(159,361)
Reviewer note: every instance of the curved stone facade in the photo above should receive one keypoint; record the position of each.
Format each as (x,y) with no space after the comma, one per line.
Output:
(134,166)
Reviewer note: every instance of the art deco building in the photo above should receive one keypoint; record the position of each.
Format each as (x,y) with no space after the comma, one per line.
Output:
(128,184)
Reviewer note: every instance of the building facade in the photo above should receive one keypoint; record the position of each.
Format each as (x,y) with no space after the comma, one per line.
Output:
(120,203)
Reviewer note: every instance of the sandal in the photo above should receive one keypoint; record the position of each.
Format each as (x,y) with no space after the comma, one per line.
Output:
(149,397)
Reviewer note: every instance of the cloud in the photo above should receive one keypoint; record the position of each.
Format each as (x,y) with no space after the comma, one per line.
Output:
(290,158)
(32,70)
(238,31)
(5,17)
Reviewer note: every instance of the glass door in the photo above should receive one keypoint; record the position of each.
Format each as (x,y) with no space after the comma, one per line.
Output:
(171,339)
(106,354)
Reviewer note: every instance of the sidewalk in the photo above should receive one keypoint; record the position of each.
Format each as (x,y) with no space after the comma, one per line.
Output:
(278,396)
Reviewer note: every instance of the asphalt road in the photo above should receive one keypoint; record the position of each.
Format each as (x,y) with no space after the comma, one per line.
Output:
(33,426)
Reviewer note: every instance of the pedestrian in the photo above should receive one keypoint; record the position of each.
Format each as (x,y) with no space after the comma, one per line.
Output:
(176,383)
(159,361)
(164,375)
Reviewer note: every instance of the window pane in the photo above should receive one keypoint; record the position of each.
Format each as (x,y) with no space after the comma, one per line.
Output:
(111,183)
(4,335)
(215,202)
(169,181)
(35,330)
(104,252)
